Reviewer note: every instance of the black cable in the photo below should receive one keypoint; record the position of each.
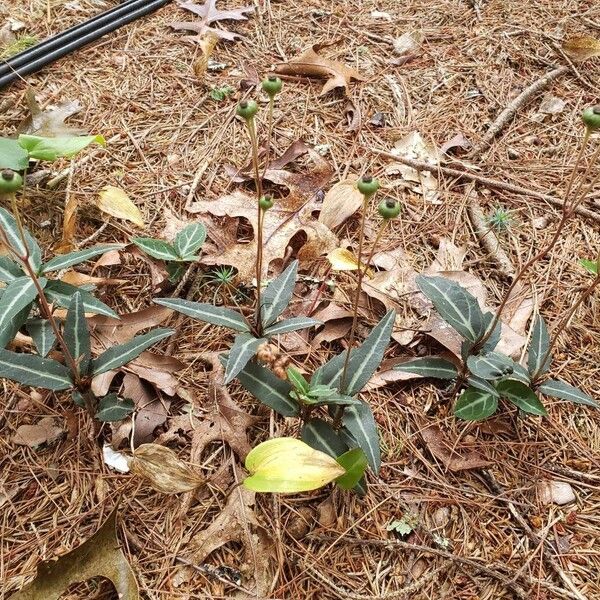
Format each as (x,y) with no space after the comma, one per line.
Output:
(79,36)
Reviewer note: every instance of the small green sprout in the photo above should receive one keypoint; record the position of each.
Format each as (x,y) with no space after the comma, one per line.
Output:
(500,219)
(218,94)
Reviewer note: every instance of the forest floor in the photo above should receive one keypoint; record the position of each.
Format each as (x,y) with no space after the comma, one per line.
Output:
(479,523)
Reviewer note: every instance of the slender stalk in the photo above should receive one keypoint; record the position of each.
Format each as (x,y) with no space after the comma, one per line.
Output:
(269,134)
(380,232)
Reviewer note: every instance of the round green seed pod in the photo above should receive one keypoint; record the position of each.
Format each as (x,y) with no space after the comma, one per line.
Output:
(10,181)
(266,202)
(272,85)
(591,118)
(247,109)
(389,208)
(367,185)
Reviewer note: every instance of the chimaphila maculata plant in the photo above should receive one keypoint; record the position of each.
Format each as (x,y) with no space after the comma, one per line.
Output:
(30,297)
(335,422)
(486,376)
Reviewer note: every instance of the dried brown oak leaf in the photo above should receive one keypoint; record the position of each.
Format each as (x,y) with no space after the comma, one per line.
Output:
(312,64)
(49,122)
(100,556)
(45,431)
(449,453)
(209,14)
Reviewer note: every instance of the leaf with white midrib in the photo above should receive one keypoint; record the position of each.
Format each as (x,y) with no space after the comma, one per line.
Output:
(475,404)
(33,370)
(491,366)
(117,356)
(538,348)
(244,348)
(292,324)
(17,295)
(455,304)
(429,366)
(483,385)
(560,389)
(74,258)
(158,249)
(189,239)
(216,315)
(522,396)
(277,295)
(321,436)
(9,270)
(42,334)
(59,292)
(77,334)
(359,421)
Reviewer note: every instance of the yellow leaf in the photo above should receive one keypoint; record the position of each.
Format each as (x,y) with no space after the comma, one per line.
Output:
(343,260)
(116,203)
(288,465)
(207,44)
(163,470)
(582,47)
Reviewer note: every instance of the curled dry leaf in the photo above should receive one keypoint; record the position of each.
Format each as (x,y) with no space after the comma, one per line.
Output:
(67,242)
(450,453)
(163,470)
(100,556)
(45,431)
(582,47)
(312,64)
(207,45)
(340,203)
(49,122)
(408,43)
(115,202)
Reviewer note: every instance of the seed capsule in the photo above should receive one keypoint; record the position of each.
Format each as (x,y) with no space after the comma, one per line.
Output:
(272,85)
(266,202)
(389,208)
(247,109)
(367,185)
(591,117)
(10,181)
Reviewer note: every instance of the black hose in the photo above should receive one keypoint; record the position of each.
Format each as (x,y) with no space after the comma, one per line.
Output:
(76,37)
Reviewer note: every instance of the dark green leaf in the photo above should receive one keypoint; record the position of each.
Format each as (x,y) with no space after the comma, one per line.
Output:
(496,334)
(42,334)
(474,404)
(522,396)
(156,248)
(278,294)
(10,228)
(491,366)
(455,304)
(217,315)
(64,261)
(77,334)
(18,294)
(321,436)
(336,399)
(78,398)
(297,380)
(483,385)
(244,348)
(61,293)
(12,155)
(9,269)
(33,370)
(269,389)
(189,240)
(8,333)
(538,349)
(559,389)
(292,324)
(359,421)
(355,463)
(176,270)
(112,408)
(46,148)
(120,355)
(429,366)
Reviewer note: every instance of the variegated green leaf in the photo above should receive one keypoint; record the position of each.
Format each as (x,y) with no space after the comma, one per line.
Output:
(359,421)
(158,249)
(61,293)
(120,355)
(217,315)
(475,404)
(8,333)
(77,334)
(455,304)
(494,339)
(10,228)
(538,349)
(9,269)
(71,259)
(522,396)
(42,334)
(321,436)
(292,324)
(559,389)
(244,348)
(483,385)
(33,370)
(278,294)
(18,294)
(429,366)
(189,240)
(112,408)
(491,366)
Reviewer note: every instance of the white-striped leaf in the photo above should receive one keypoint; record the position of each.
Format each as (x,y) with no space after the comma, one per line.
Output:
(491,366)
(158,249)
(359,421)
(496,334)
(292,324)
(120,355)
(33,370)
(475,404)
(61,293)
(10,228)
(64,261)
(278,294)
(559,389)
(9,270)
(455,305)
(8,333)
(189,240)
(216,315)
(244,348)
(268,389)
(42,334)
(521,395)
(321,436)
(363,360)
(18,294)
(538,348)
(77,334)
(483,385)
(429,366)
(112,408)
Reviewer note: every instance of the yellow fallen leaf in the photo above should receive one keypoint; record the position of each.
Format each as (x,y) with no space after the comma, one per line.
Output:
(582,47)
(342,259)
(288,465)
(115,202)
